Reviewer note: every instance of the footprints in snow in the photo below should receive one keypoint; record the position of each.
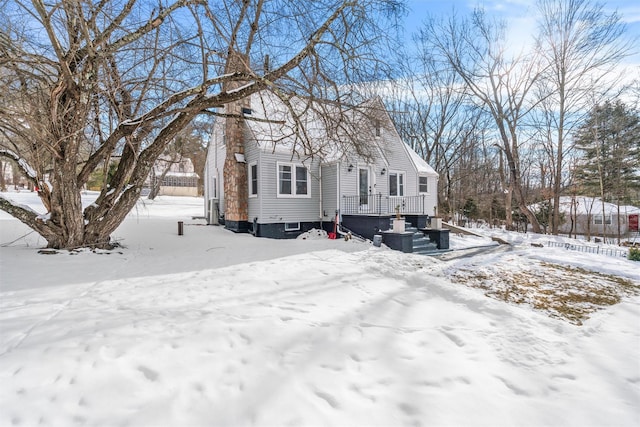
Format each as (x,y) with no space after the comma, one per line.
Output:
(148,373)
(331,400)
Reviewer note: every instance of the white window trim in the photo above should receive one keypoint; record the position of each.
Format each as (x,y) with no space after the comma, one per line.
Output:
(423,192)
(293,194)
(250,177)
(597,219)
(404,182)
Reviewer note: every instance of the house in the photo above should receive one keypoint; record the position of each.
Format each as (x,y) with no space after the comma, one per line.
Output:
(584,215)
(173,176)
(302,171)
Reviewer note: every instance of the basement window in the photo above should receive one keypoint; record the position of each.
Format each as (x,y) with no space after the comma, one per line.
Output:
(291,226)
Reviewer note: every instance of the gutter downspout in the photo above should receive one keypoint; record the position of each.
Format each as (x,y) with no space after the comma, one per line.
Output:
(338,193)
(260,185)
(320,194)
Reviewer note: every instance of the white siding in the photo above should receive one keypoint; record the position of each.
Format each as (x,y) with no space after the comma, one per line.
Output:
(213,187)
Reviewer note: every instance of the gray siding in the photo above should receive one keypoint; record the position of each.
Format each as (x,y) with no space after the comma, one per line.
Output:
(337,180)
(348,180)
(253,154)
(399,161)
(431,198)
(329,191)
(276,209)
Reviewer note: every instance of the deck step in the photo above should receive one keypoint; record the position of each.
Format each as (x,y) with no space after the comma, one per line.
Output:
(426,250)
(421,243)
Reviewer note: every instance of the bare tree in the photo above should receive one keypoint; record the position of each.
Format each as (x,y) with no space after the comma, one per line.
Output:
(188,145)
(430,108)
(581,45)
(83,82)
(3,184)
(476,50)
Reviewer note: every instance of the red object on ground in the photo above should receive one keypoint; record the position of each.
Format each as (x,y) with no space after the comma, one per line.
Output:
(332,236)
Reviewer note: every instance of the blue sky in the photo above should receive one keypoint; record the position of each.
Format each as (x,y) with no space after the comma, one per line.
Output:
(520,14)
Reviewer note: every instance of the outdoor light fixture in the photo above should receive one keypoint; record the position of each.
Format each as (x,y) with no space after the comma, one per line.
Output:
(383,171)
(350,168)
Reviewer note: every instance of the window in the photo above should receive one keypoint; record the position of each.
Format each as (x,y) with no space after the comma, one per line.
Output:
(284,179)
(597,219)
(293,180)
(253,179)
(423,186)
(291,226)
(215,187)
(301,180)
(396,183)
(377,127)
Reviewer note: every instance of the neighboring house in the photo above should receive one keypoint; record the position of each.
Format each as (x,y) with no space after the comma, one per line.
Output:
(585,213)
(289,192)
(171,177)
(10,179)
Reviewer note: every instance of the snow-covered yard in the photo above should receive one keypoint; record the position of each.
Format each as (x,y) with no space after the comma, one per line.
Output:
(213,328)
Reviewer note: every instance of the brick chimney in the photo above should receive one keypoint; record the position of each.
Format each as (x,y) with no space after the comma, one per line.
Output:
(236,197)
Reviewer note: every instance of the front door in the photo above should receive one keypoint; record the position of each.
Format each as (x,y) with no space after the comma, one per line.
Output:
(364,188)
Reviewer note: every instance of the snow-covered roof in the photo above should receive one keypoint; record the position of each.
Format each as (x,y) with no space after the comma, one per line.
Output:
(182,174)
(318,129)
(593,206)
(421,165)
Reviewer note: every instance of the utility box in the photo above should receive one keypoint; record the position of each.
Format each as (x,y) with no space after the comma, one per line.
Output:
(213,212)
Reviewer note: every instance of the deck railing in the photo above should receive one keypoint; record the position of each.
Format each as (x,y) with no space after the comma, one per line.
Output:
(380,204)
